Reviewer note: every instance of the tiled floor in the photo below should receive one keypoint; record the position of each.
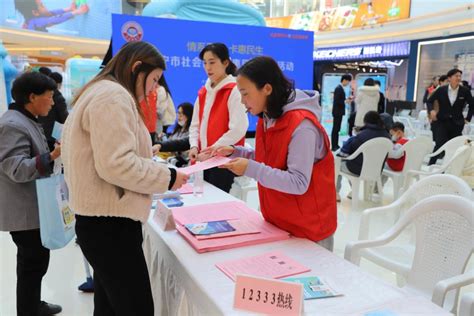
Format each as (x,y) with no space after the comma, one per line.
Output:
(66,269)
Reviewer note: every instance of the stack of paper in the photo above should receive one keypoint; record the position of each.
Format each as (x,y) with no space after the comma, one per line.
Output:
(251,223)
(273,265)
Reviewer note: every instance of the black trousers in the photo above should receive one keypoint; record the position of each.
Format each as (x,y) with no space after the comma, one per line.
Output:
(351,122)
(113,247)
(336,128)
(32,260)
(221,178)
(444,131)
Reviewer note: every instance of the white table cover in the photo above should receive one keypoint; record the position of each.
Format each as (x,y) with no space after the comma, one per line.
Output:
(187,283)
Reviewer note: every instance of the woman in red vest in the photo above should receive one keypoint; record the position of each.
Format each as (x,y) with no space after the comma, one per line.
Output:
(292,161)
(219,118)
(148,107)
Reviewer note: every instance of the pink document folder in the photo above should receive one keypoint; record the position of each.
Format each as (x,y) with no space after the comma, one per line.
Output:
(273,265)
(225,211)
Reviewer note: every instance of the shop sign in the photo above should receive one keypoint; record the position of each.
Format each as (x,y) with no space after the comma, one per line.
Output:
(363,52)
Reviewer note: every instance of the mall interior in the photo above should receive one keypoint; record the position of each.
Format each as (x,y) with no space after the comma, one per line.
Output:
(228,157)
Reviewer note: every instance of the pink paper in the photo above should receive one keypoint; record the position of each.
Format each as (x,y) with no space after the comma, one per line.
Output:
(204,165)
(225,211)
(269,297)
(186,189)
(273,265)
(242,227)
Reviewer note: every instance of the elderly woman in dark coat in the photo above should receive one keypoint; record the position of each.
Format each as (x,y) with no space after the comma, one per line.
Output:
(25,157)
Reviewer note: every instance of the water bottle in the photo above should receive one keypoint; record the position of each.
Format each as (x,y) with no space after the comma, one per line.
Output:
(198,184)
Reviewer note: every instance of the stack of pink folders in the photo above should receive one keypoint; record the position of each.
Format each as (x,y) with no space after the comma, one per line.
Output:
(253,228)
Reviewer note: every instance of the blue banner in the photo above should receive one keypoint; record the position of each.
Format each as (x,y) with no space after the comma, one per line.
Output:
(180,41)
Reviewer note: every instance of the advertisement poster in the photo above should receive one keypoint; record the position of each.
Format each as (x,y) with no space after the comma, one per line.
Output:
(345,17)
(293,50)
(82,18)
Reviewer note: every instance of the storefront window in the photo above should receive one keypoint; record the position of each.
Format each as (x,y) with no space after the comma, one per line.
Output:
(438,57)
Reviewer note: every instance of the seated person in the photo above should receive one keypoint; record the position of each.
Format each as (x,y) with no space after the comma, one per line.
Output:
(396,158)
(178,142)
(373,128)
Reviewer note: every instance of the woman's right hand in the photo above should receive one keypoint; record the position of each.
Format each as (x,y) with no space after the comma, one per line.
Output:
(193,154)
(56,152)
(181,180)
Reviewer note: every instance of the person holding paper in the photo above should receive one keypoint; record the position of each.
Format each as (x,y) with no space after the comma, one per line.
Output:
(108,167)
(292,161)
(219,118)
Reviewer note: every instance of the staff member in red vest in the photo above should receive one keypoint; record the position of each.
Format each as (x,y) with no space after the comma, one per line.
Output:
(292,161)
(148,107)
(219,118)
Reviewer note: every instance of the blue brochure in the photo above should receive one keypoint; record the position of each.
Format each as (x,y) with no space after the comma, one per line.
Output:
(210,228)
(172,202)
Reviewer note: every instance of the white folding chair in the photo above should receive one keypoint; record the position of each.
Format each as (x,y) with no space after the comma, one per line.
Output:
(415,151)
(374,153)
(444,226)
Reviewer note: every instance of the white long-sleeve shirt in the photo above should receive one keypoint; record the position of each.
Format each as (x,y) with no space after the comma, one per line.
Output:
(238,121)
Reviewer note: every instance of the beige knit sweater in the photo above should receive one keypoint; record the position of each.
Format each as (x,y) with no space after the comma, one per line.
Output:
(106,151)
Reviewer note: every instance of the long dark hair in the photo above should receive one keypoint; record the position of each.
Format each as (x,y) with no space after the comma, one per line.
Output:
(162,82)
(262,70)
(188,112)
(119,68)
(222,52)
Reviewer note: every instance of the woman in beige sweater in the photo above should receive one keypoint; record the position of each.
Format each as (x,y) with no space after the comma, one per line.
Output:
(111,176)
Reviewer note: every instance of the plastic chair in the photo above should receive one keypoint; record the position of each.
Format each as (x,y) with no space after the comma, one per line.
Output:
(415,151)
(374,153)
(398,257)
(444,226)
(426,187)
(466,307)
(454,166)
(449,148)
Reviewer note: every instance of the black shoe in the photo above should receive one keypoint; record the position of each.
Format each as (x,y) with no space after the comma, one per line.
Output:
(335,148)
(49,309)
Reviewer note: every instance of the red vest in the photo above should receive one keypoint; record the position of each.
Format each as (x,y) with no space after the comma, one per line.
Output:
(312,215)
(218,122)
(397,164)
(149,112)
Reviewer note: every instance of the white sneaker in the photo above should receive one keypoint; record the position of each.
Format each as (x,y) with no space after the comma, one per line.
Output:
(338,198)
(349,195)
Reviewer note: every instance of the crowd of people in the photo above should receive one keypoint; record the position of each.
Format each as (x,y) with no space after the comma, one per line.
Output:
(121,118)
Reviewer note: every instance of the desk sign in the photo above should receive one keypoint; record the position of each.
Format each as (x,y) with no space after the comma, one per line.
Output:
(267,296)
(164,217)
